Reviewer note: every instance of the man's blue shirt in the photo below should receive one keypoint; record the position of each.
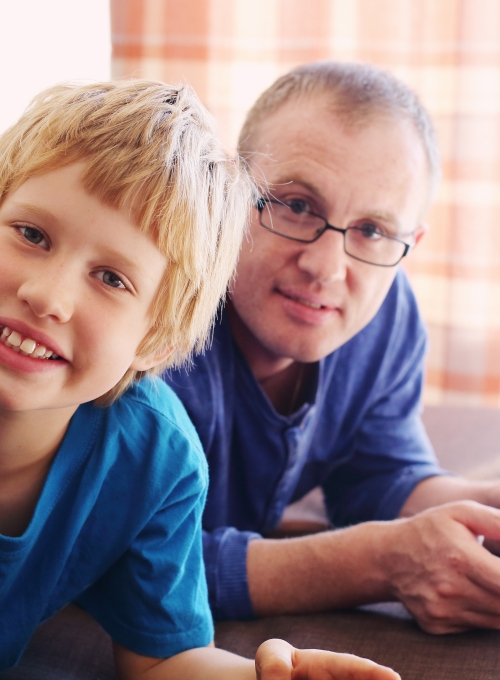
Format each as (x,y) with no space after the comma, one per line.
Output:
(359,437)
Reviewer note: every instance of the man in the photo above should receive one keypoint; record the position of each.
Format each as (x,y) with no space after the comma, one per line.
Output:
(315,373)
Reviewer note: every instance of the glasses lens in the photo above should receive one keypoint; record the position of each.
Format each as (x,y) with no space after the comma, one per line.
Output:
(367,244)
(291,221)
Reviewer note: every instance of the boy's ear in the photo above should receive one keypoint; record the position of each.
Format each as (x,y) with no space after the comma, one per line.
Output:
(151,360)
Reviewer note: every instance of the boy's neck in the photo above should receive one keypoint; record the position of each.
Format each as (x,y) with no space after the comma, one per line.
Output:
(28,445)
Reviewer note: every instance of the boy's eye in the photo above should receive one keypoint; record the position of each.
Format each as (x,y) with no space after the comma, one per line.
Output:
(110,279)
(32,234)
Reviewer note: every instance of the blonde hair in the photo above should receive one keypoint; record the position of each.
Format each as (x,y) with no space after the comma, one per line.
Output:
(357,92)
(151,146)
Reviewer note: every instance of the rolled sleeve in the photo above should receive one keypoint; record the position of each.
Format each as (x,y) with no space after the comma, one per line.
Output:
(225,554)
(401,487)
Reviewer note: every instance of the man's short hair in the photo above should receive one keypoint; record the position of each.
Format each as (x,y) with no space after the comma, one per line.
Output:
(152,147)
(356,92)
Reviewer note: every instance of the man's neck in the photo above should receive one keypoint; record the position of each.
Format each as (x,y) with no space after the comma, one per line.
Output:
(284,380)
(263,363)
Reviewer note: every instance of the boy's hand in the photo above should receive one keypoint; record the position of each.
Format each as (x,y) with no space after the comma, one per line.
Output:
(277,660)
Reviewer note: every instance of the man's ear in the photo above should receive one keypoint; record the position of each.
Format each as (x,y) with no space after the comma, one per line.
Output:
(151,360)
(419,232)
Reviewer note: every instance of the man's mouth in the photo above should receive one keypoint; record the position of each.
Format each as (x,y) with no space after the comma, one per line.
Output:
(307,303)
(24,345)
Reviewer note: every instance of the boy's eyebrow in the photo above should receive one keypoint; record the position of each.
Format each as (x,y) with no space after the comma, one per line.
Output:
(30,207)
(122,261)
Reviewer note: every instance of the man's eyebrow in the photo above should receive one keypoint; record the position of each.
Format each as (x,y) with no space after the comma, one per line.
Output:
(290,181)
(383,216)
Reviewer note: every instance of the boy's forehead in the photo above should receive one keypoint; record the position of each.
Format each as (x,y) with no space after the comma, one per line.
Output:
(86,232)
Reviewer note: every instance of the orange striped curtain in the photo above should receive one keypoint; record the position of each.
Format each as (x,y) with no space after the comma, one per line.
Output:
(448,50)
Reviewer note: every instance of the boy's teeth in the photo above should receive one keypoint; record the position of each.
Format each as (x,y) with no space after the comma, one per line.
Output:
(14,339)
(28,347)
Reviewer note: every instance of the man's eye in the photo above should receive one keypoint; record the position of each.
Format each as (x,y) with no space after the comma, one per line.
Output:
(370,231)
(110,279)
(32,234)
(298,206)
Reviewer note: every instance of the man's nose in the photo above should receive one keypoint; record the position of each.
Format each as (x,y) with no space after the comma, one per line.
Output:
(325,260)
(49,292)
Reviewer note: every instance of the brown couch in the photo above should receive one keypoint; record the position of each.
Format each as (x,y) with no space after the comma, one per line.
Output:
(72,646)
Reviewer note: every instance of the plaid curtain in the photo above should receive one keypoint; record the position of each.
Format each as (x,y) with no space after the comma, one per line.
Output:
(447,50)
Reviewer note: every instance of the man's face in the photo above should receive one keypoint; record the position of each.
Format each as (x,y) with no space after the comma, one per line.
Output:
(302,301)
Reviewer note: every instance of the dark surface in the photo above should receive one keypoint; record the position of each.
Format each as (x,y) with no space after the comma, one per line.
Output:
(390,638)
(71,646)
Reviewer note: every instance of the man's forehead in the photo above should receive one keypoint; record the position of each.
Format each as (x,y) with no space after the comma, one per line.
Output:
(300,125)
(321,108)
(294,139)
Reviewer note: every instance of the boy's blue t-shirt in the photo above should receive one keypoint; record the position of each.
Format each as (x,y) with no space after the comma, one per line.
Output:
(117,528)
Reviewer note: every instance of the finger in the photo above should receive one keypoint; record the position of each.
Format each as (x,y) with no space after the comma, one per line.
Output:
(480,519)
(273,660)
(467,620)
(484,571)
(456,605)
(314,664)
(277,660)
(481,566)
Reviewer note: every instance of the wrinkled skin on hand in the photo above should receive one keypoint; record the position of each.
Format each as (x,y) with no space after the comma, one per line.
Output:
(277,660)
(441,572)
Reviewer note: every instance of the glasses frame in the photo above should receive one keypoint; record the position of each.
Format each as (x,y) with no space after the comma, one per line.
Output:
(261,204)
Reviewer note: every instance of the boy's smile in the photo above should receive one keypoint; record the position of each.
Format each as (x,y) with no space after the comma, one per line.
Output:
(77,280)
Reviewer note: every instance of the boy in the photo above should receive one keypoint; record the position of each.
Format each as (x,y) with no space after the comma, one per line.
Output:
(120,222)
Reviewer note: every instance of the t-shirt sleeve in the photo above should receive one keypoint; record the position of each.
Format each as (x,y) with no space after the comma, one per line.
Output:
(153,599)
(391,452)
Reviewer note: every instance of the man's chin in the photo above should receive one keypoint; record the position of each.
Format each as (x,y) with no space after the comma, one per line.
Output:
(306,352)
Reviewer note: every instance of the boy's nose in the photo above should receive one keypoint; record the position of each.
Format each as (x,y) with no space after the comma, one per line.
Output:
(48,294)
(325,260)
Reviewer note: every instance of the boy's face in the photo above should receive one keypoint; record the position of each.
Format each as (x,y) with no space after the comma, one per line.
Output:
(78,278)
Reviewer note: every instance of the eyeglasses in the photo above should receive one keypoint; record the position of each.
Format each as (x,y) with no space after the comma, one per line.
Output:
(363,242)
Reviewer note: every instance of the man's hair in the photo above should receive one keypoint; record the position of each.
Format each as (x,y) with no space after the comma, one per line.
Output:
(153,147)
(356,92)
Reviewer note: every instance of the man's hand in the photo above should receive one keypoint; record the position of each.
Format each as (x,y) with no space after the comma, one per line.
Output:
(277,660)
(441,572)
(432,562)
